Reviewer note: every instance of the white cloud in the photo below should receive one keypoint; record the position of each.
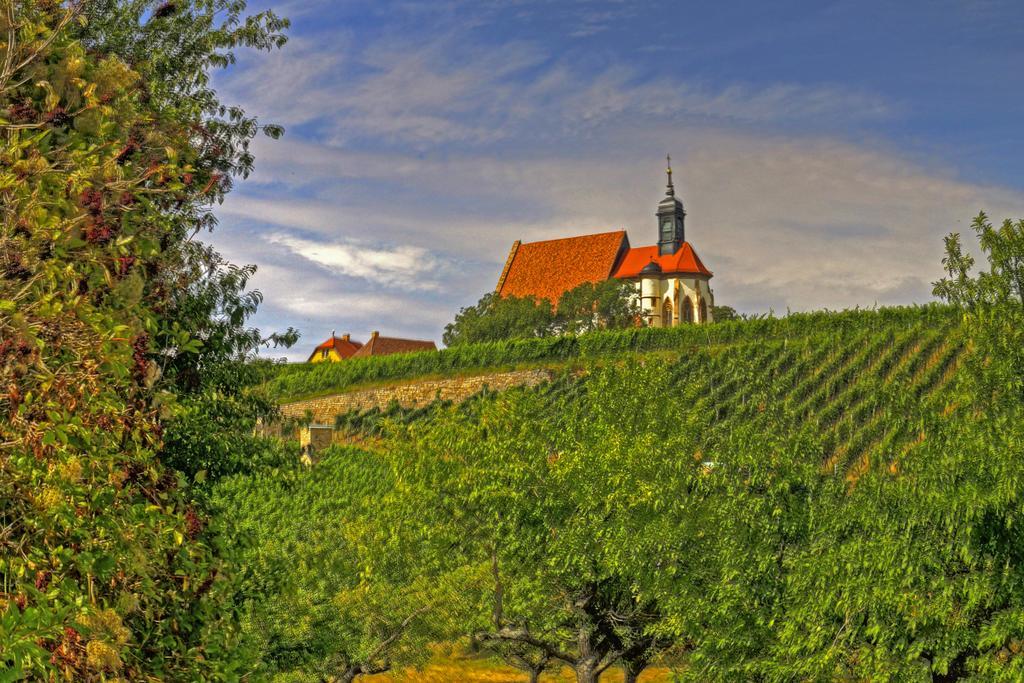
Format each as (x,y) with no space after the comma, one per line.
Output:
(456,90)
(287,86)
(404,266)
(316,301)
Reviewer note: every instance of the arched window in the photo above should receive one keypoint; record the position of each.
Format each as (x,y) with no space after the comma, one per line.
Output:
(686,311)
(703,310)
(666,313)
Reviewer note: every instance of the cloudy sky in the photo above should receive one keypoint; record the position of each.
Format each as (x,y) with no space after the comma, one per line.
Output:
(822,148)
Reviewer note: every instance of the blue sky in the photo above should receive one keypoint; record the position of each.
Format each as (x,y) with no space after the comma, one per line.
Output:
(822,149)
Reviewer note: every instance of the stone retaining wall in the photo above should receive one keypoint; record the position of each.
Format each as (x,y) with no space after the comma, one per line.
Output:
(411,394)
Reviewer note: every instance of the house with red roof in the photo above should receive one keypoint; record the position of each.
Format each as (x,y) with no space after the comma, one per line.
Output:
(342,348)
(385,346)
(334,349)
(672,283)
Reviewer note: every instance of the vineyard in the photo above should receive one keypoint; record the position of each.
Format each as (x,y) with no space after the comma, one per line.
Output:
(302,380)
(859,381)
(712,496)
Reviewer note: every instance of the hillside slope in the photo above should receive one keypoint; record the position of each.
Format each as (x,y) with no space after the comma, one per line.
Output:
(647,444)
(860,382)
(302,380)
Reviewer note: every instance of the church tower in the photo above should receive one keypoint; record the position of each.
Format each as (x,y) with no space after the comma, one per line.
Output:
(671,217)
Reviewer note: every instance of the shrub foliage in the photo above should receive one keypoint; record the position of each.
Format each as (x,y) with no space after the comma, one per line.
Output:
(113,149)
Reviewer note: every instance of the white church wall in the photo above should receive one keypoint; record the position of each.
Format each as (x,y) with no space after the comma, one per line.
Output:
(650,300)
(652,293)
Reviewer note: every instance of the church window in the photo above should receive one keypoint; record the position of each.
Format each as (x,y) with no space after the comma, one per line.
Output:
(703,310)
(686,310)
(666,313)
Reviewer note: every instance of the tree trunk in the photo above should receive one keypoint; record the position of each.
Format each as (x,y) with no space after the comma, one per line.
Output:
(535,675)
(631,671)
(586,673)
(350,674)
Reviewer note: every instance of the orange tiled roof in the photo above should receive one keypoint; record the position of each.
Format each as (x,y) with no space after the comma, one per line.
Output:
(384,346)
(550,268)
(344,346)
(683,262)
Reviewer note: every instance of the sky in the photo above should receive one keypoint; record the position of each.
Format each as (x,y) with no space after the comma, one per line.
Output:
(822,149)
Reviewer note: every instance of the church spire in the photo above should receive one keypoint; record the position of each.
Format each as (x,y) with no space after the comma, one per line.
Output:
(671,191)
(670,217)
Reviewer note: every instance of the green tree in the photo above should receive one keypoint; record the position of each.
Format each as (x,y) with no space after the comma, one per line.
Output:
(611,304)
(203,301)
(912,570)
(722,314)
(548,495)
(993,300)
(113,152)
(331,595)
(495,318)
(590,306)
(219,400)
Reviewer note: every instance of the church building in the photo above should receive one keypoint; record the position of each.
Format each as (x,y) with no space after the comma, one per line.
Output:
(672,283)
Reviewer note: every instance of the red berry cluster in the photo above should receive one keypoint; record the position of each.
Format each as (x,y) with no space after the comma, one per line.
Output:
(42,580)
(97,231)
(165,10)
(58,118)
(18,348)
(65,653)
(193,523)
(140,361)
(124,264)
(22,112)
(92,201)
(13,266)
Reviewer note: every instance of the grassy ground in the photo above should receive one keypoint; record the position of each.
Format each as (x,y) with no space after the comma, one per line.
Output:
(460,668)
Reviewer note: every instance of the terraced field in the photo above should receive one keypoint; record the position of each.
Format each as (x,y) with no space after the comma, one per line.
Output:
(861,390)
(862,395)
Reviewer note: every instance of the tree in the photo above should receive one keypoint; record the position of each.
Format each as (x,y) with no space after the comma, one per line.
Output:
(203,345)
(111,158)
(610,304)
(330,594)
(590,306)
(548,496)
(219,398)
(722,314)
(496,318)
(993,300)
